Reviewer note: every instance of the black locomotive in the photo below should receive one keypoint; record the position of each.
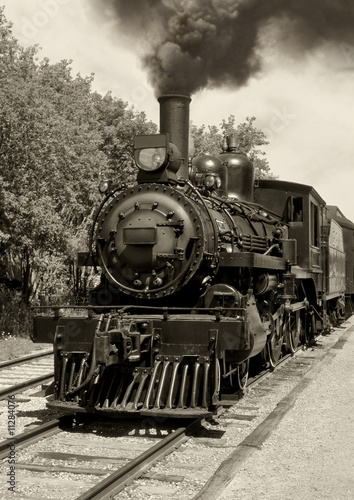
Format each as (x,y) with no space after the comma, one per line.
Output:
(197,279)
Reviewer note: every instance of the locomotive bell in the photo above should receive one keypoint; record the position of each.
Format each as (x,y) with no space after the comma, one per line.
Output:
(214,173)
(240,172)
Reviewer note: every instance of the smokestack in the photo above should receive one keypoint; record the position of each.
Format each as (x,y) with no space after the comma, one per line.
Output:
(174,120)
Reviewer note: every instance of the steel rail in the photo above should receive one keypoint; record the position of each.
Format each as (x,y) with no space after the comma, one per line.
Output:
(33,435)
(24,359)
(118,480)
(14,389)
(228,399)
(268,371)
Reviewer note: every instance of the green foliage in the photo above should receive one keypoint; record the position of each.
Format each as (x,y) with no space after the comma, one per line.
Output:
(15,318)
(118,124)
(57,139)
(208,140)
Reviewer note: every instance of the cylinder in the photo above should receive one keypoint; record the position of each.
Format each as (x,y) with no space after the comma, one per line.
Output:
(174,120)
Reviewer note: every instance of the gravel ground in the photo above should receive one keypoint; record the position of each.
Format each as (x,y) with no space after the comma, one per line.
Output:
(28,413)
(310,455)
(16,347)
(204,462)
(307,456)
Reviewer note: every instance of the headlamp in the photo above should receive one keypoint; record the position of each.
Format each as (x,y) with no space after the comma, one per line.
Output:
(151,159)
(151,152)
(157,159)
(212,181)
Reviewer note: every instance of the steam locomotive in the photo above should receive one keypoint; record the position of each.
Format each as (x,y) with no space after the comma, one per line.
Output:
(202,271)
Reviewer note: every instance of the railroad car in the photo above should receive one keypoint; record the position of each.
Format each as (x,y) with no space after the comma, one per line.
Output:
(347,227)
(200,273)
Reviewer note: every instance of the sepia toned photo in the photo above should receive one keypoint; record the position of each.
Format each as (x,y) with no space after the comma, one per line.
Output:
(176,249)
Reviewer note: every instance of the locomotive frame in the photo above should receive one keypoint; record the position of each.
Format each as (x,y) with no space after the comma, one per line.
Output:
(201,273)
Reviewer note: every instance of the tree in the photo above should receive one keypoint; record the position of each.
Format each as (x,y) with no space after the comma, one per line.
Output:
(118,124)
(57,139)
(206,140)
(49,157)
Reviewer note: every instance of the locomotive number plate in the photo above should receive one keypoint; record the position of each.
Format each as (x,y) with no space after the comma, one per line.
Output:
(139,236)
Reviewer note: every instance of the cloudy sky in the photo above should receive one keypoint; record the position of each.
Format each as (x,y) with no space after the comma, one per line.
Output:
(301,94)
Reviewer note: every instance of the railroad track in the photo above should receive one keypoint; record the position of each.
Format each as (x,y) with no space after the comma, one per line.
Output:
(117,481)
(196,469)
(22,371)
(129,456)
(25,359)
(75,457)
(70,436)
(78,443)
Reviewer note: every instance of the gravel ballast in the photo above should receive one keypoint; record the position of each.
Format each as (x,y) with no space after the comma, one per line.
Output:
(306,455)
(311,454)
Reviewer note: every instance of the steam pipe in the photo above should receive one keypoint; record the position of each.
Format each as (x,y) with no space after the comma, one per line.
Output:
(174,120)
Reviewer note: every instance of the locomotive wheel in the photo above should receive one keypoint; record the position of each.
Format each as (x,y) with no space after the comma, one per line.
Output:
(238,376)
(275,340)
(304,339)
(292,332)
(242,374)
(309,331)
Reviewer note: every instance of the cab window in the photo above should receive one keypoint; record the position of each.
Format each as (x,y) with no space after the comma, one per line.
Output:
(295,209)
(314,225)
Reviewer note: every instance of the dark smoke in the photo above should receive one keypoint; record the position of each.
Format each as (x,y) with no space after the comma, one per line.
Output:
(192,44)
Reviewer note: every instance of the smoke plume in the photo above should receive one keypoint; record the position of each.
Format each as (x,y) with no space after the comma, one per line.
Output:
(188,45)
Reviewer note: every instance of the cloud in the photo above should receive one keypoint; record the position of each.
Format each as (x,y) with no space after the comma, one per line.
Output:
(69,29)
(302,98)
(305,107)
(222,42)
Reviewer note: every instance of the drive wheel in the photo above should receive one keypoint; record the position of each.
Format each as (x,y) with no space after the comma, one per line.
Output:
(275,339)
(242,374)
(292,331)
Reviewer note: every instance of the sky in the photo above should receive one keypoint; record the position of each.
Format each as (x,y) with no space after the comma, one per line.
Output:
(302,98)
